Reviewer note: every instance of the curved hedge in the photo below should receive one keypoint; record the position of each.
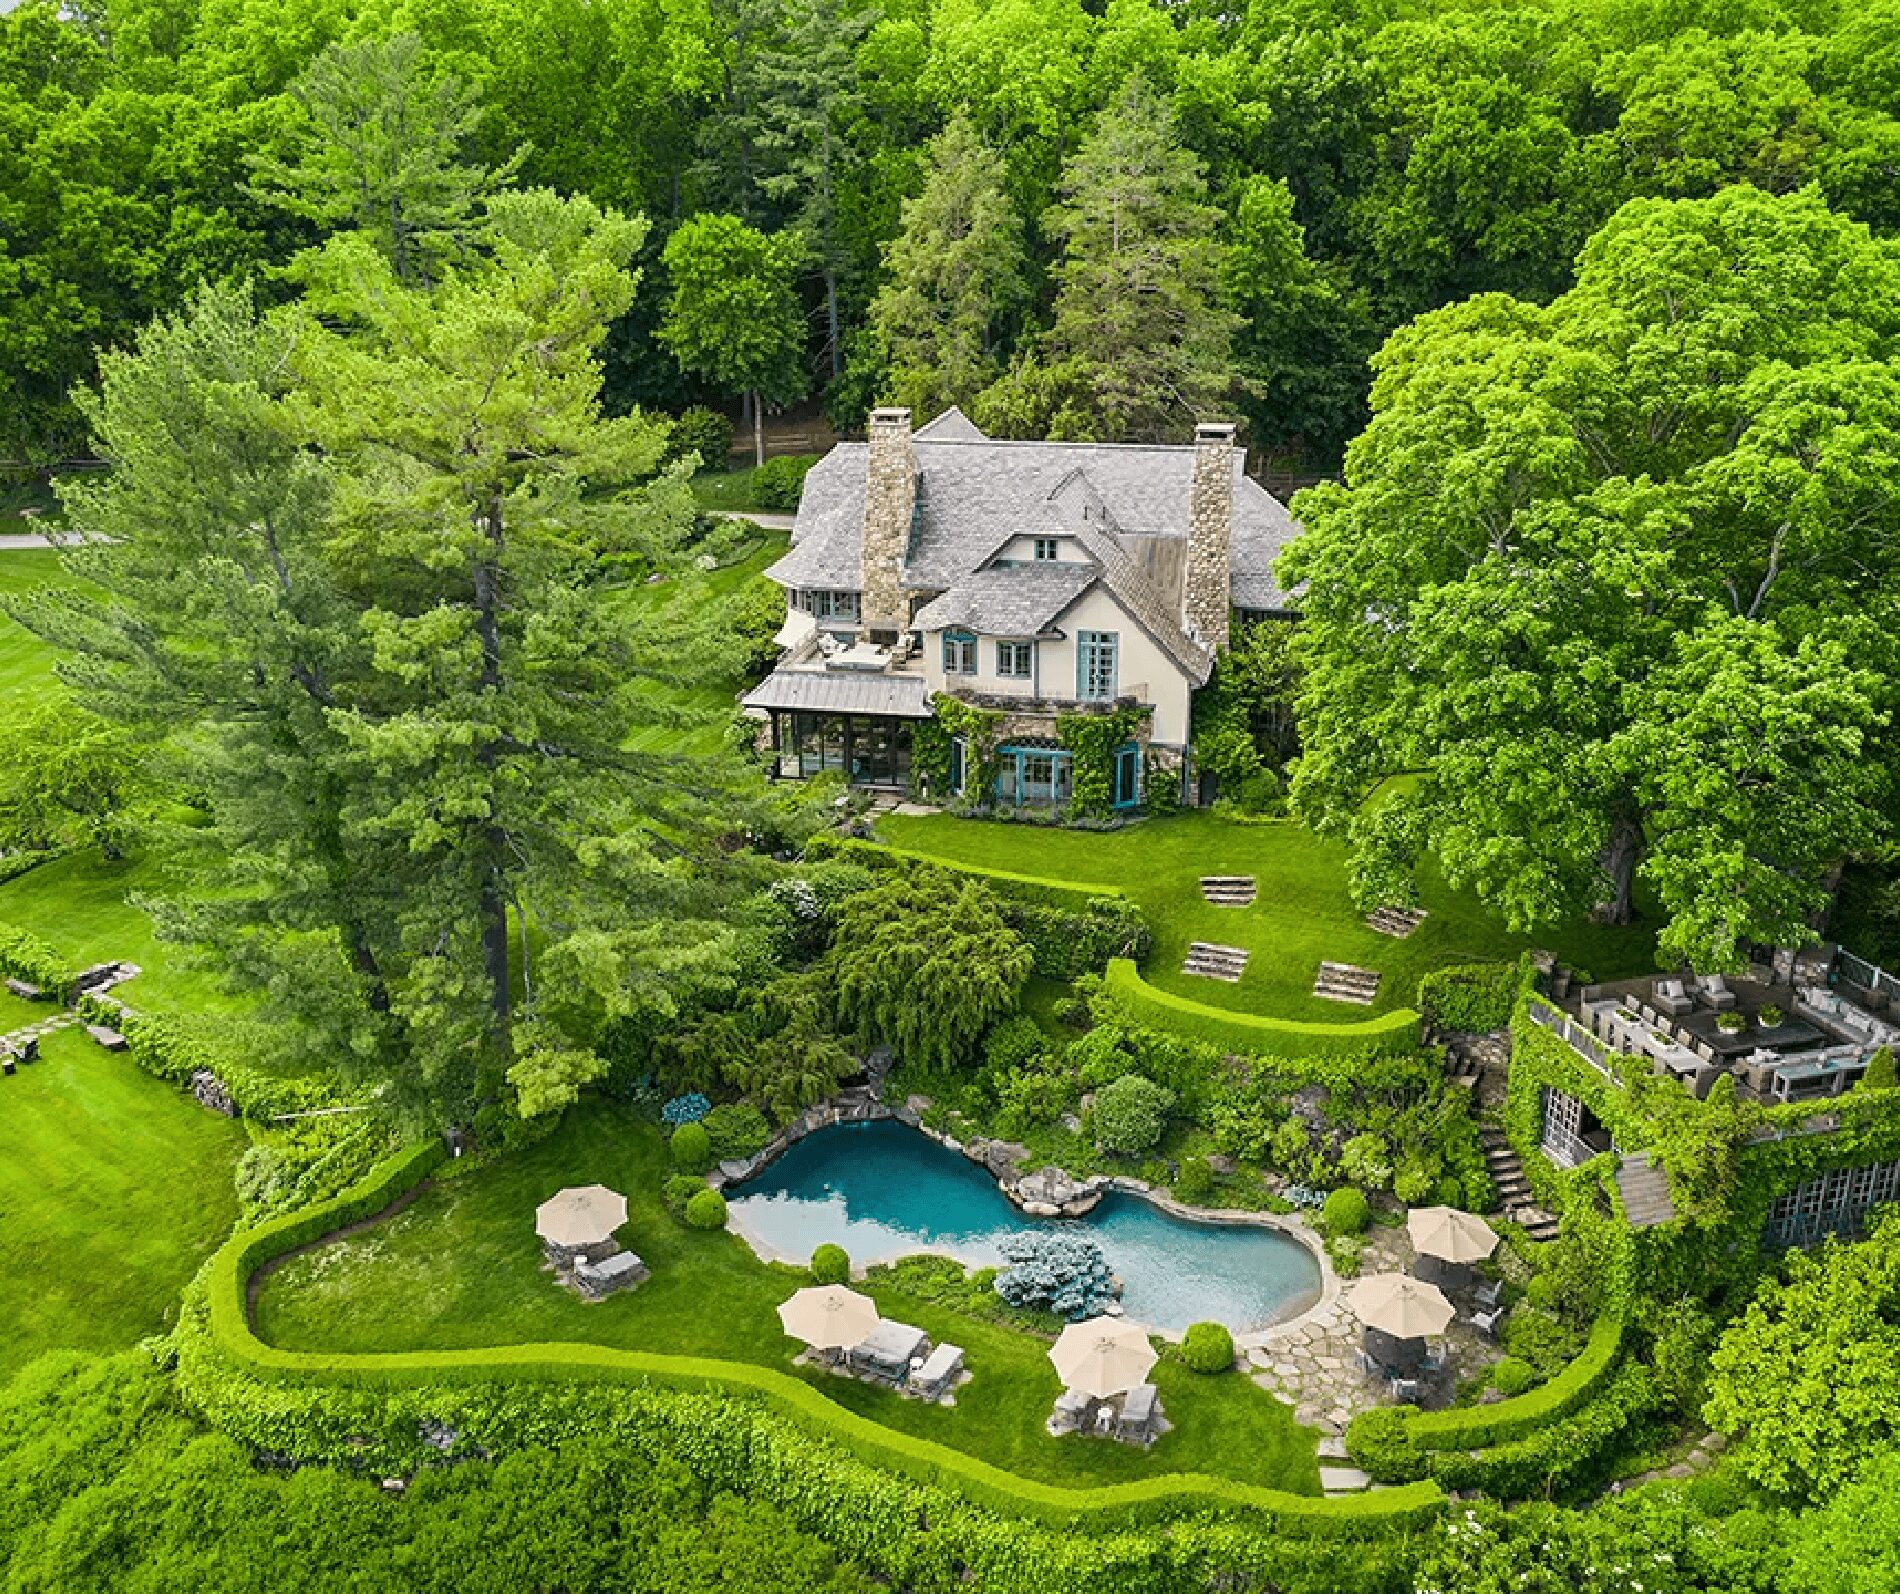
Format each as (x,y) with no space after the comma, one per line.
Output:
(230,1271)
(1475,1427)
(1154,1008)
(1062,893)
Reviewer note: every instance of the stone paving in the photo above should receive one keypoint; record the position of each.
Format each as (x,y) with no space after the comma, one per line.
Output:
(1312,1363)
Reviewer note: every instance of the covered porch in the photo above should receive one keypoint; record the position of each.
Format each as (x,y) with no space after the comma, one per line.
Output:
(855,725)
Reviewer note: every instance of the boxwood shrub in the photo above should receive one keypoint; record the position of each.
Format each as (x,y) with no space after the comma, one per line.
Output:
(707,1210)
(1208,1348)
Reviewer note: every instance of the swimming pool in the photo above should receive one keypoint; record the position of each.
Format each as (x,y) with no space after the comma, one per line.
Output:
(881,1191)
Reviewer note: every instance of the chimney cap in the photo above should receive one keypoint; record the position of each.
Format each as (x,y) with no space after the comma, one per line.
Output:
(891,415)
(1214,432)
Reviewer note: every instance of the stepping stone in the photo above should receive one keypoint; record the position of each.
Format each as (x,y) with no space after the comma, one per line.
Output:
(1215,962)
(111,1039)
(1343,1480)
(1228,890)
(1344,982)
(1395,922)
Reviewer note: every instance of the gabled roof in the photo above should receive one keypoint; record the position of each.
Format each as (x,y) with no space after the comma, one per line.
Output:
(975,493)
(1021,601)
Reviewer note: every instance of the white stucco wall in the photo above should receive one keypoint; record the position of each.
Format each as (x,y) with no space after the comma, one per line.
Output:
(1023,550)
(1143,670)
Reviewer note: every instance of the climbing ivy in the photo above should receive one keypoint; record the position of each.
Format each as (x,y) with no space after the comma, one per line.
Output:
(930,748)
(1094,739)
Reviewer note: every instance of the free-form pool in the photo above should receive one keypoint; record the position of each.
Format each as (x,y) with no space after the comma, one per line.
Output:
(882,1191)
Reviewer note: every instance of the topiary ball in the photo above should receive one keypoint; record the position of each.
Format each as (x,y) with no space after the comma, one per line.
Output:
(1346,1212)
(830,1265)
(707,1210)
(692,1148)
(1208,1348)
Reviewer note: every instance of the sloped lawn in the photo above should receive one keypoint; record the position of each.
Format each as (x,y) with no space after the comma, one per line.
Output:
(114,1187)
(1301,915)
(461,1267)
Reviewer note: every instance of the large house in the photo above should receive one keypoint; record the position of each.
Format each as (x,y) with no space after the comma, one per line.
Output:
(1038,579)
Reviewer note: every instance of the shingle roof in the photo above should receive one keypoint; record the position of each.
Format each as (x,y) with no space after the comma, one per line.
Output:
(1016,602)
(841,692)
(975,493)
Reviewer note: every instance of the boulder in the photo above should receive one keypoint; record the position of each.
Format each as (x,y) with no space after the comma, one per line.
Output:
(209,1091)
(1001,1156)
(1042,1209)
(1220,1165)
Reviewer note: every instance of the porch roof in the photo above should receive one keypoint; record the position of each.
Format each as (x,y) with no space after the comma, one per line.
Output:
(841,692)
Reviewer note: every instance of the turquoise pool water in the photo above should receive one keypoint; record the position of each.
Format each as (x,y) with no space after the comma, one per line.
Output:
(883,1191)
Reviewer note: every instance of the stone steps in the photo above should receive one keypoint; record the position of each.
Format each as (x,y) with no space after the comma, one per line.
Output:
(1212,961)
(1395,922)
(1336,1480)
(1228,890)
(1344,982)
(1644,1189)
(1514,1189)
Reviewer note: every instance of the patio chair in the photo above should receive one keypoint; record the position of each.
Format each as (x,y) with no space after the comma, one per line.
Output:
(1714,993)
(1488,1293)
(1672,998)
(1135,1424)
(1486,1323)
(1405,1390)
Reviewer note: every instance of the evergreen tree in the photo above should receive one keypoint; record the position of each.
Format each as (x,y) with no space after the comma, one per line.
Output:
(384,153)
(1142,336)
(956,277)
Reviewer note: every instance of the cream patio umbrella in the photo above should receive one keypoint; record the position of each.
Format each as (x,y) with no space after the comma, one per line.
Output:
(1399,1305)
(580,1215)
(828,1317)
(1103,1356)
(1450,1235)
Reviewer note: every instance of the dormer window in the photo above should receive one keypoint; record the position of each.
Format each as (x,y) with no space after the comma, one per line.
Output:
(1045,548)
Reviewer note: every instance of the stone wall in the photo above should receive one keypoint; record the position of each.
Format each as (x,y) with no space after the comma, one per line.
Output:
(1208,603)
(890,495)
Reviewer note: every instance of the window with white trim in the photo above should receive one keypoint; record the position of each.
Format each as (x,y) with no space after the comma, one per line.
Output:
(1045,548)
(1015,659)
(959,653)
(1095,665)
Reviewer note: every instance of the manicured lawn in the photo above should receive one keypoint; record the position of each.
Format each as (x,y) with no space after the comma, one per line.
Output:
(714,698)
(26,663)
(728,490)
(461,1267)
(114,1187)
(1301,915)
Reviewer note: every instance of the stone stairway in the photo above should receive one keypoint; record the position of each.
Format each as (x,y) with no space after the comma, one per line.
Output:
(1645,1191)
(1342,982)
(1228,890)
(1514,1190)
(1215,962)
(1395,922)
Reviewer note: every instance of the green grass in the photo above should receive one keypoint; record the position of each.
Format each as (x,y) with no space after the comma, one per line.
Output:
(461,1268)
(1302,914)
(728,491)
(714,698)
(26,663)
(113,1189)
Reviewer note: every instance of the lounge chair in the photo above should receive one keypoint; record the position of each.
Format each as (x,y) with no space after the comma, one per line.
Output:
(938,1373)
(888,1350)
(1672,998)
(1714,993)
(1071,1412)
(1135,1424)
(616,1272)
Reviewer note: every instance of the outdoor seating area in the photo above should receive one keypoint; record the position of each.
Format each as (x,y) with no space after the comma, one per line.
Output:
(577,1228)
(843,1331)
(1781,1043)
(1400,1313)
(1104,1364)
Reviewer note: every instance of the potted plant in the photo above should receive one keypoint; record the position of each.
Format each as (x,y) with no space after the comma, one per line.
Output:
(1770,1016)
(1730,1023)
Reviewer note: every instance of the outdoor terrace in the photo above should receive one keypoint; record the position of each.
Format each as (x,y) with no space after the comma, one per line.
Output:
(1801,1026)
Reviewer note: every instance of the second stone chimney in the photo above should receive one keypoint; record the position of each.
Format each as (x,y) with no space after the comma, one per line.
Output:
(1208,600)
(890,494)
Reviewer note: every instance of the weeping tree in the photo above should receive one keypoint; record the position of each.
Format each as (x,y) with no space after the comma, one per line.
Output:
(925,963)
(346,572)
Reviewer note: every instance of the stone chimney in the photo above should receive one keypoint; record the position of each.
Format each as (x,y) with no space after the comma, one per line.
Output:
(1208,601)
(890,493)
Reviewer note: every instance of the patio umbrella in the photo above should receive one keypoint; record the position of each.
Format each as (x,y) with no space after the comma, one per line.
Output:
(580,1215)
(1103,1356)
(1450,1235)
(1399,1305)
(828,1316)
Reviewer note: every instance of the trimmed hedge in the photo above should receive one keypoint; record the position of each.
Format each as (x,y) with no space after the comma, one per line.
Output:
(171,1050)
(1148,1006)
(789,1399)
(1477,997)
(1071,894)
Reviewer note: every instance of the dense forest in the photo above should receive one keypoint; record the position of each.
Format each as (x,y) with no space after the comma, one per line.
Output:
(906,199)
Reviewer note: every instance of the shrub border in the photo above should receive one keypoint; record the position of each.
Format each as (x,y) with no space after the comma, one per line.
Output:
(1252,1032)
(232,1268)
